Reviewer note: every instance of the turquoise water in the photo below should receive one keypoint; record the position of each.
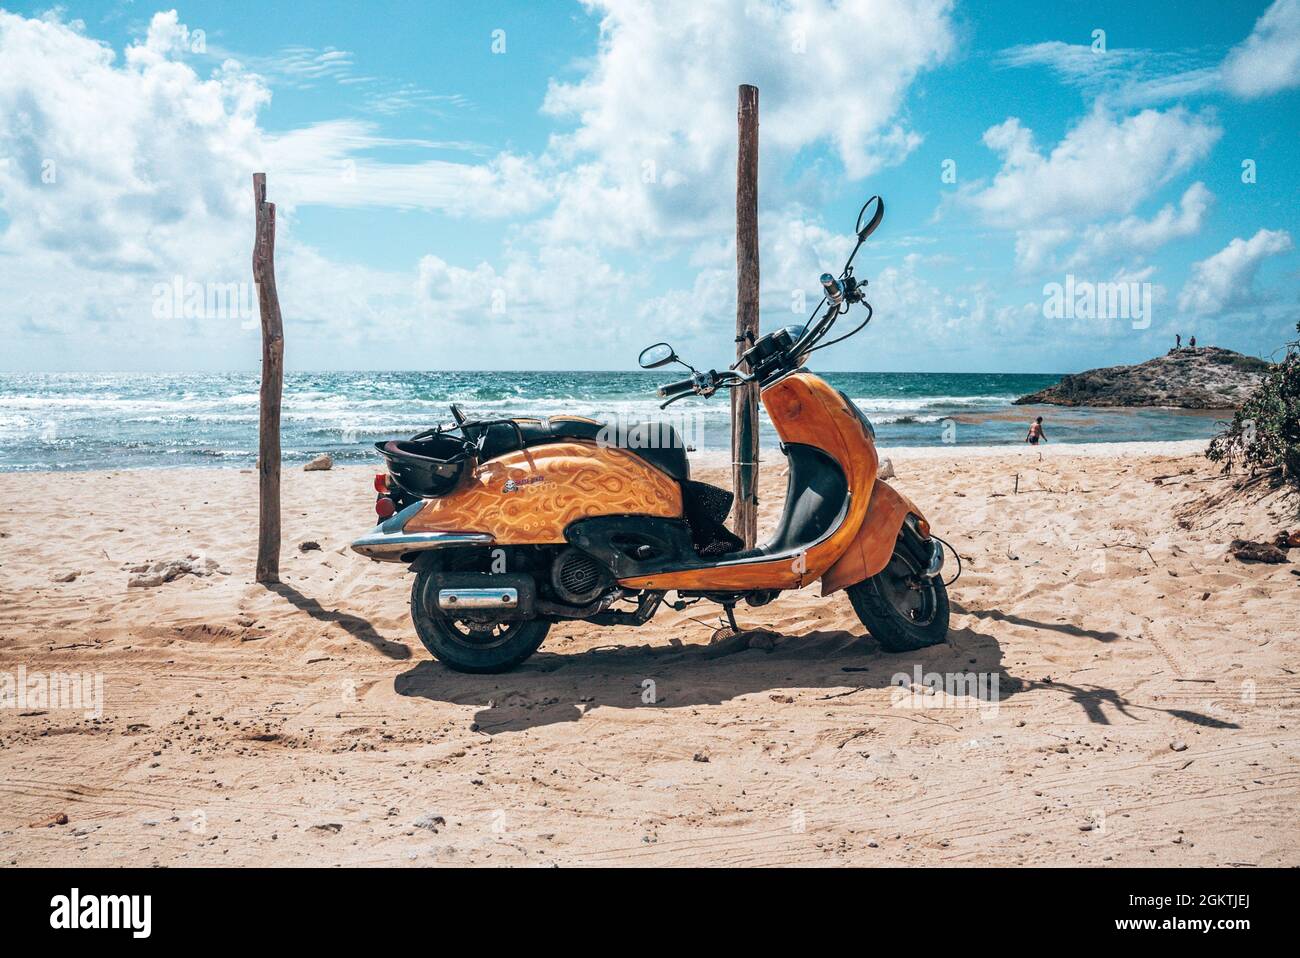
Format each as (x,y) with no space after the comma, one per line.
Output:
(126,420)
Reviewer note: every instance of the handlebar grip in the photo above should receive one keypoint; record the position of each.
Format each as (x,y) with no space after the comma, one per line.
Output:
(677,388)
(834,289)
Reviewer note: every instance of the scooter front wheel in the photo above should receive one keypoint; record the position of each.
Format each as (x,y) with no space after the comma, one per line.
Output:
(469,645)
(902,610)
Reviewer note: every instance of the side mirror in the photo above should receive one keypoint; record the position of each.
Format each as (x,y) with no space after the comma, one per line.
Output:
(660,354)
(866,230)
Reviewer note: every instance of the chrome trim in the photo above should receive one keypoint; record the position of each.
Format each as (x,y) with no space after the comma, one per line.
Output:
(503,598)
(391,546)
(936,560)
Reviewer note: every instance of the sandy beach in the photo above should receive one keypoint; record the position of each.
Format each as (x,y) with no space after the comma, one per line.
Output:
(1148,707)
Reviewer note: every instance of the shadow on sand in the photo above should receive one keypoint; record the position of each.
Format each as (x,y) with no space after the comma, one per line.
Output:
(552,688)
(353,625)
(1064,628)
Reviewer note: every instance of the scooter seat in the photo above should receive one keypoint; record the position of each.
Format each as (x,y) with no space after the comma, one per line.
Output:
(658,443)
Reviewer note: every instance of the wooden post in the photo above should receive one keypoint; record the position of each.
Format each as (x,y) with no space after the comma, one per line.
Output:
(268,437)
(744,399)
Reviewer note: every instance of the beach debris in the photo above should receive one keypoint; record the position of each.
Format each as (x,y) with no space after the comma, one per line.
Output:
(322,463)
(68,576)
(1159,480)
(1178,745)
(332,827)
(58,818)
(700,757)
(431,822)
(146,575)
(1287,539)
(1247,551)
(886,469)
(782,699)
(310,545)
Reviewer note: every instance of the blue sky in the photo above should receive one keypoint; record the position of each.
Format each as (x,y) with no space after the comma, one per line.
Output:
(514,185)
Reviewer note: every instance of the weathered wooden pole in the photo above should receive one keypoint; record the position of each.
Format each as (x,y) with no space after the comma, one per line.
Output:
(744,399)
(268,437)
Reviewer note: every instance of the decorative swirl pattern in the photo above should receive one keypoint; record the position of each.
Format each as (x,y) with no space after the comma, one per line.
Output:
(528,497)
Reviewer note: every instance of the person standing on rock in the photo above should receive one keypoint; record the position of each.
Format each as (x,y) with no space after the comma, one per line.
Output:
(1036,432)
(1178,340)
(1192,342)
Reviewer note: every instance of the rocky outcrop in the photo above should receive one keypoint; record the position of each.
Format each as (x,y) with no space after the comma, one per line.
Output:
(1206,377)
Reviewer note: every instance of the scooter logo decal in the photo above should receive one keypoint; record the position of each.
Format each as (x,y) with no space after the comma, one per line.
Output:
(514,485)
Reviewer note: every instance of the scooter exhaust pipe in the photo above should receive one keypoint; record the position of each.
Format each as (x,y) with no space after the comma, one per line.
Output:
(452,600)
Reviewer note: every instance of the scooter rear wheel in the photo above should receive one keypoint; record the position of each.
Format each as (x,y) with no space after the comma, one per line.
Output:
(470,645)
(902,610)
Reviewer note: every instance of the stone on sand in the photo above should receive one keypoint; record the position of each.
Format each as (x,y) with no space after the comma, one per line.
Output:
(1248,551)
(146,576)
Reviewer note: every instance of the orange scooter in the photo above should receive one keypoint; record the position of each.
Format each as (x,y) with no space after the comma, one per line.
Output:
(512,525)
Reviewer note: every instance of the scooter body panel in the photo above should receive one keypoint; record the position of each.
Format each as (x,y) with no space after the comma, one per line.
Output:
(805,410)
(871,548)
(529,496)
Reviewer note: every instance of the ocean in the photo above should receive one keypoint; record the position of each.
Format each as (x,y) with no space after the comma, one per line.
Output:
(74,421)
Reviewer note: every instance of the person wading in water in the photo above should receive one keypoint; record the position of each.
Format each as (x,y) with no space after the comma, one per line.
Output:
(1036,432)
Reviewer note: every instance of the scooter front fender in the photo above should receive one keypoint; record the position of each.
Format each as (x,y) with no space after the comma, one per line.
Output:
(870,550)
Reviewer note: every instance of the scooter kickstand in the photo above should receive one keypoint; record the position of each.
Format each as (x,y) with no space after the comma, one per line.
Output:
(731,618)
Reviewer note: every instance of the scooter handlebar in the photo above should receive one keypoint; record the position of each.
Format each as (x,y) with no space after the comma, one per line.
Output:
(677,388)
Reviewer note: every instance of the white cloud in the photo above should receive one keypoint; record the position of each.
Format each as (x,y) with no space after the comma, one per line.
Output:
(1226,280)
(1035,247)
(153,161)
(1103,165)
(119,173)
(1122,77)
(120,167)
(1269,59)
(1077,64)
(1132,233)
(684,315)
(555,290)
(914,310)
(655,139)
(1266,62)
(325,163)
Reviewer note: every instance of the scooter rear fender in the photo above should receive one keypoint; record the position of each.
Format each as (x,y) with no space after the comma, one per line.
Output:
(871,548)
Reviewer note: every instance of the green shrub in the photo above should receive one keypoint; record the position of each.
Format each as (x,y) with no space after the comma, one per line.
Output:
(1265,431)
